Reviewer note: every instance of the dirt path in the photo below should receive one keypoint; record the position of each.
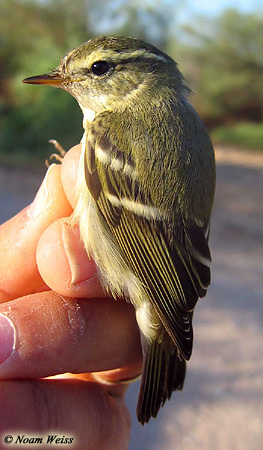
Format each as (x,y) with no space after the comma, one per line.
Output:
(221,407)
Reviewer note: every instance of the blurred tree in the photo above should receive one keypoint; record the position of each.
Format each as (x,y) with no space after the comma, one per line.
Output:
(33,37)
(150,20)
(226,67)
(221,58)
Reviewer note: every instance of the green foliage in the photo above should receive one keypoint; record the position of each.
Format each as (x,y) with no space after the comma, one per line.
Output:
(28,127)
(221,59)
(33,38)
(226,53)
(245,134)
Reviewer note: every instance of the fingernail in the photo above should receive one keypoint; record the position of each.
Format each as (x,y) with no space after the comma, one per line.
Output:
(81,267)
(37,206)
(7,338)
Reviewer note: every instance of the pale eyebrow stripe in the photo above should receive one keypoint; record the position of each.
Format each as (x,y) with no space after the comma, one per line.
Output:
(137,54)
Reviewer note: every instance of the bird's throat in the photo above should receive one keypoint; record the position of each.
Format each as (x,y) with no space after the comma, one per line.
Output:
(88,116)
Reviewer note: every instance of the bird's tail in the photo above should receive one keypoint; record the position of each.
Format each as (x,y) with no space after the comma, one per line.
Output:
(163,372)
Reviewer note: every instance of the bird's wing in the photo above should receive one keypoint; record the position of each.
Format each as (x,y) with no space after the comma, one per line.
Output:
(175,273)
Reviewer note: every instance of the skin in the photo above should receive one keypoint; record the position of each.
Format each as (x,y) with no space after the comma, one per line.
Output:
(92,332)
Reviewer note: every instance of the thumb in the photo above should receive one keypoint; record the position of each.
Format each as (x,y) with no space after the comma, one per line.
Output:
(19,237)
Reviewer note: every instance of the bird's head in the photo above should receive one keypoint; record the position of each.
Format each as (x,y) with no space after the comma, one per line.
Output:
(111,72)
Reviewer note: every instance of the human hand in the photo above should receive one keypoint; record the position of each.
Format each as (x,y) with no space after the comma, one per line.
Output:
(62,322)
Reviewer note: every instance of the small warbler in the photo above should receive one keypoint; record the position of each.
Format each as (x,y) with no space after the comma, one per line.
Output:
(145,192)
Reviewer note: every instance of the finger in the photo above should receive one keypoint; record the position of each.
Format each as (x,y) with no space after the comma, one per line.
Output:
(73,409)
(52,334)
(64,265)
(69,174)
(19,237)
(115,382)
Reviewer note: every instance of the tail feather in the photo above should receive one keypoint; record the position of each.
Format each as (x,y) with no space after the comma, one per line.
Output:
(163,372)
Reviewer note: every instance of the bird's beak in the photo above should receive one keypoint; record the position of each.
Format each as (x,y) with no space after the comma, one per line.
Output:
(52,79)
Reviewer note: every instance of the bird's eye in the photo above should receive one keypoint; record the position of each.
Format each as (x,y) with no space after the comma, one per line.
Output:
(100,67)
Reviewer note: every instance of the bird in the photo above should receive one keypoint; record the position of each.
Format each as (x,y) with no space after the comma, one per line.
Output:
(145,193)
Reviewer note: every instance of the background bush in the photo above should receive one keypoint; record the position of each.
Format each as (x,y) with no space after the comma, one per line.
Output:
(221,59)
